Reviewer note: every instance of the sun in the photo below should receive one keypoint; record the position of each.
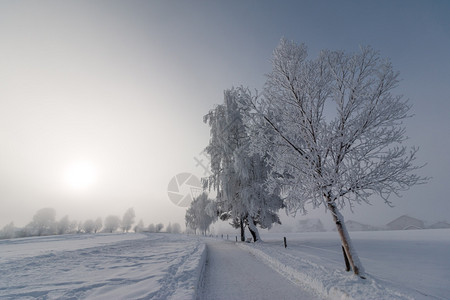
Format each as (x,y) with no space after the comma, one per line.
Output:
(80,174)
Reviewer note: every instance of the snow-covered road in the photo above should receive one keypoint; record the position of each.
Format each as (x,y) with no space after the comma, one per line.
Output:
(233,273)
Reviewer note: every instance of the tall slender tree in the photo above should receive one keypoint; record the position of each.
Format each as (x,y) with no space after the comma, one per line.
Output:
(239,175)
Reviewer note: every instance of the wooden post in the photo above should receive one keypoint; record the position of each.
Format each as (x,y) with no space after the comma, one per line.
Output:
(236,239)
(285,244)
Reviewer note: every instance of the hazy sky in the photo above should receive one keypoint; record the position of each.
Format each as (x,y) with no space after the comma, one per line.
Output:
(121,87)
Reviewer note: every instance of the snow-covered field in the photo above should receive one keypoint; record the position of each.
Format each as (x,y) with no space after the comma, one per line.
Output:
(101,266)
(399,264)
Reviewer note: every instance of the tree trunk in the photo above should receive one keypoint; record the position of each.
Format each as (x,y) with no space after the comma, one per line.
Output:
(346,241)
(253,229)
(241,222)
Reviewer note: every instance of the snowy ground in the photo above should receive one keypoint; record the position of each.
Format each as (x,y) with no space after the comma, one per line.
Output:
(102,266)
(399,264)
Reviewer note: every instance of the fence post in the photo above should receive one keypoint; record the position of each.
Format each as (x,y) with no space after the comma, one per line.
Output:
(285,244)
(236,239)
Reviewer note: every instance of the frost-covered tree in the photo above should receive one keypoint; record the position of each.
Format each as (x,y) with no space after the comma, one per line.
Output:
(151,228)
(239,175)
(89,226)
(63,225)
(8,232)
(112,223)
(98,224)
(73,226)
(139,226)
(169,228)
(79,227)
(159,227)
(43,222)
(128,220)
(176,228)
(261,205)
(200,214)
(337,130)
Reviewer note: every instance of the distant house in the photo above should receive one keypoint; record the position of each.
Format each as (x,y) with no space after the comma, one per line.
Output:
(309,225)
(405,222)
(439,225)
(356,226)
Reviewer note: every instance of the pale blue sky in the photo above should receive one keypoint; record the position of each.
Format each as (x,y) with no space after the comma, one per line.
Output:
(125,84)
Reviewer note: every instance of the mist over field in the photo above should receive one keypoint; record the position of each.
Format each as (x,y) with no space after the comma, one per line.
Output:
(102,104)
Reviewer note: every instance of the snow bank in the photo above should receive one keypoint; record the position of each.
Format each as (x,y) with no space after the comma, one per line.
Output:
(400,265)
(113,266)
(301,272)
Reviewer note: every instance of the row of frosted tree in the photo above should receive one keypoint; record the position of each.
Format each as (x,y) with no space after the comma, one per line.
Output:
(44,223)
(324,132)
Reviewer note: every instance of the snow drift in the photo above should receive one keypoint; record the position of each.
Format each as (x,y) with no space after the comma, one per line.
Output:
(101,266)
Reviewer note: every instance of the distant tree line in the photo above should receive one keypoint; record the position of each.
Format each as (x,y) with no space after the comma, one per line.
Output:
(44,223)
